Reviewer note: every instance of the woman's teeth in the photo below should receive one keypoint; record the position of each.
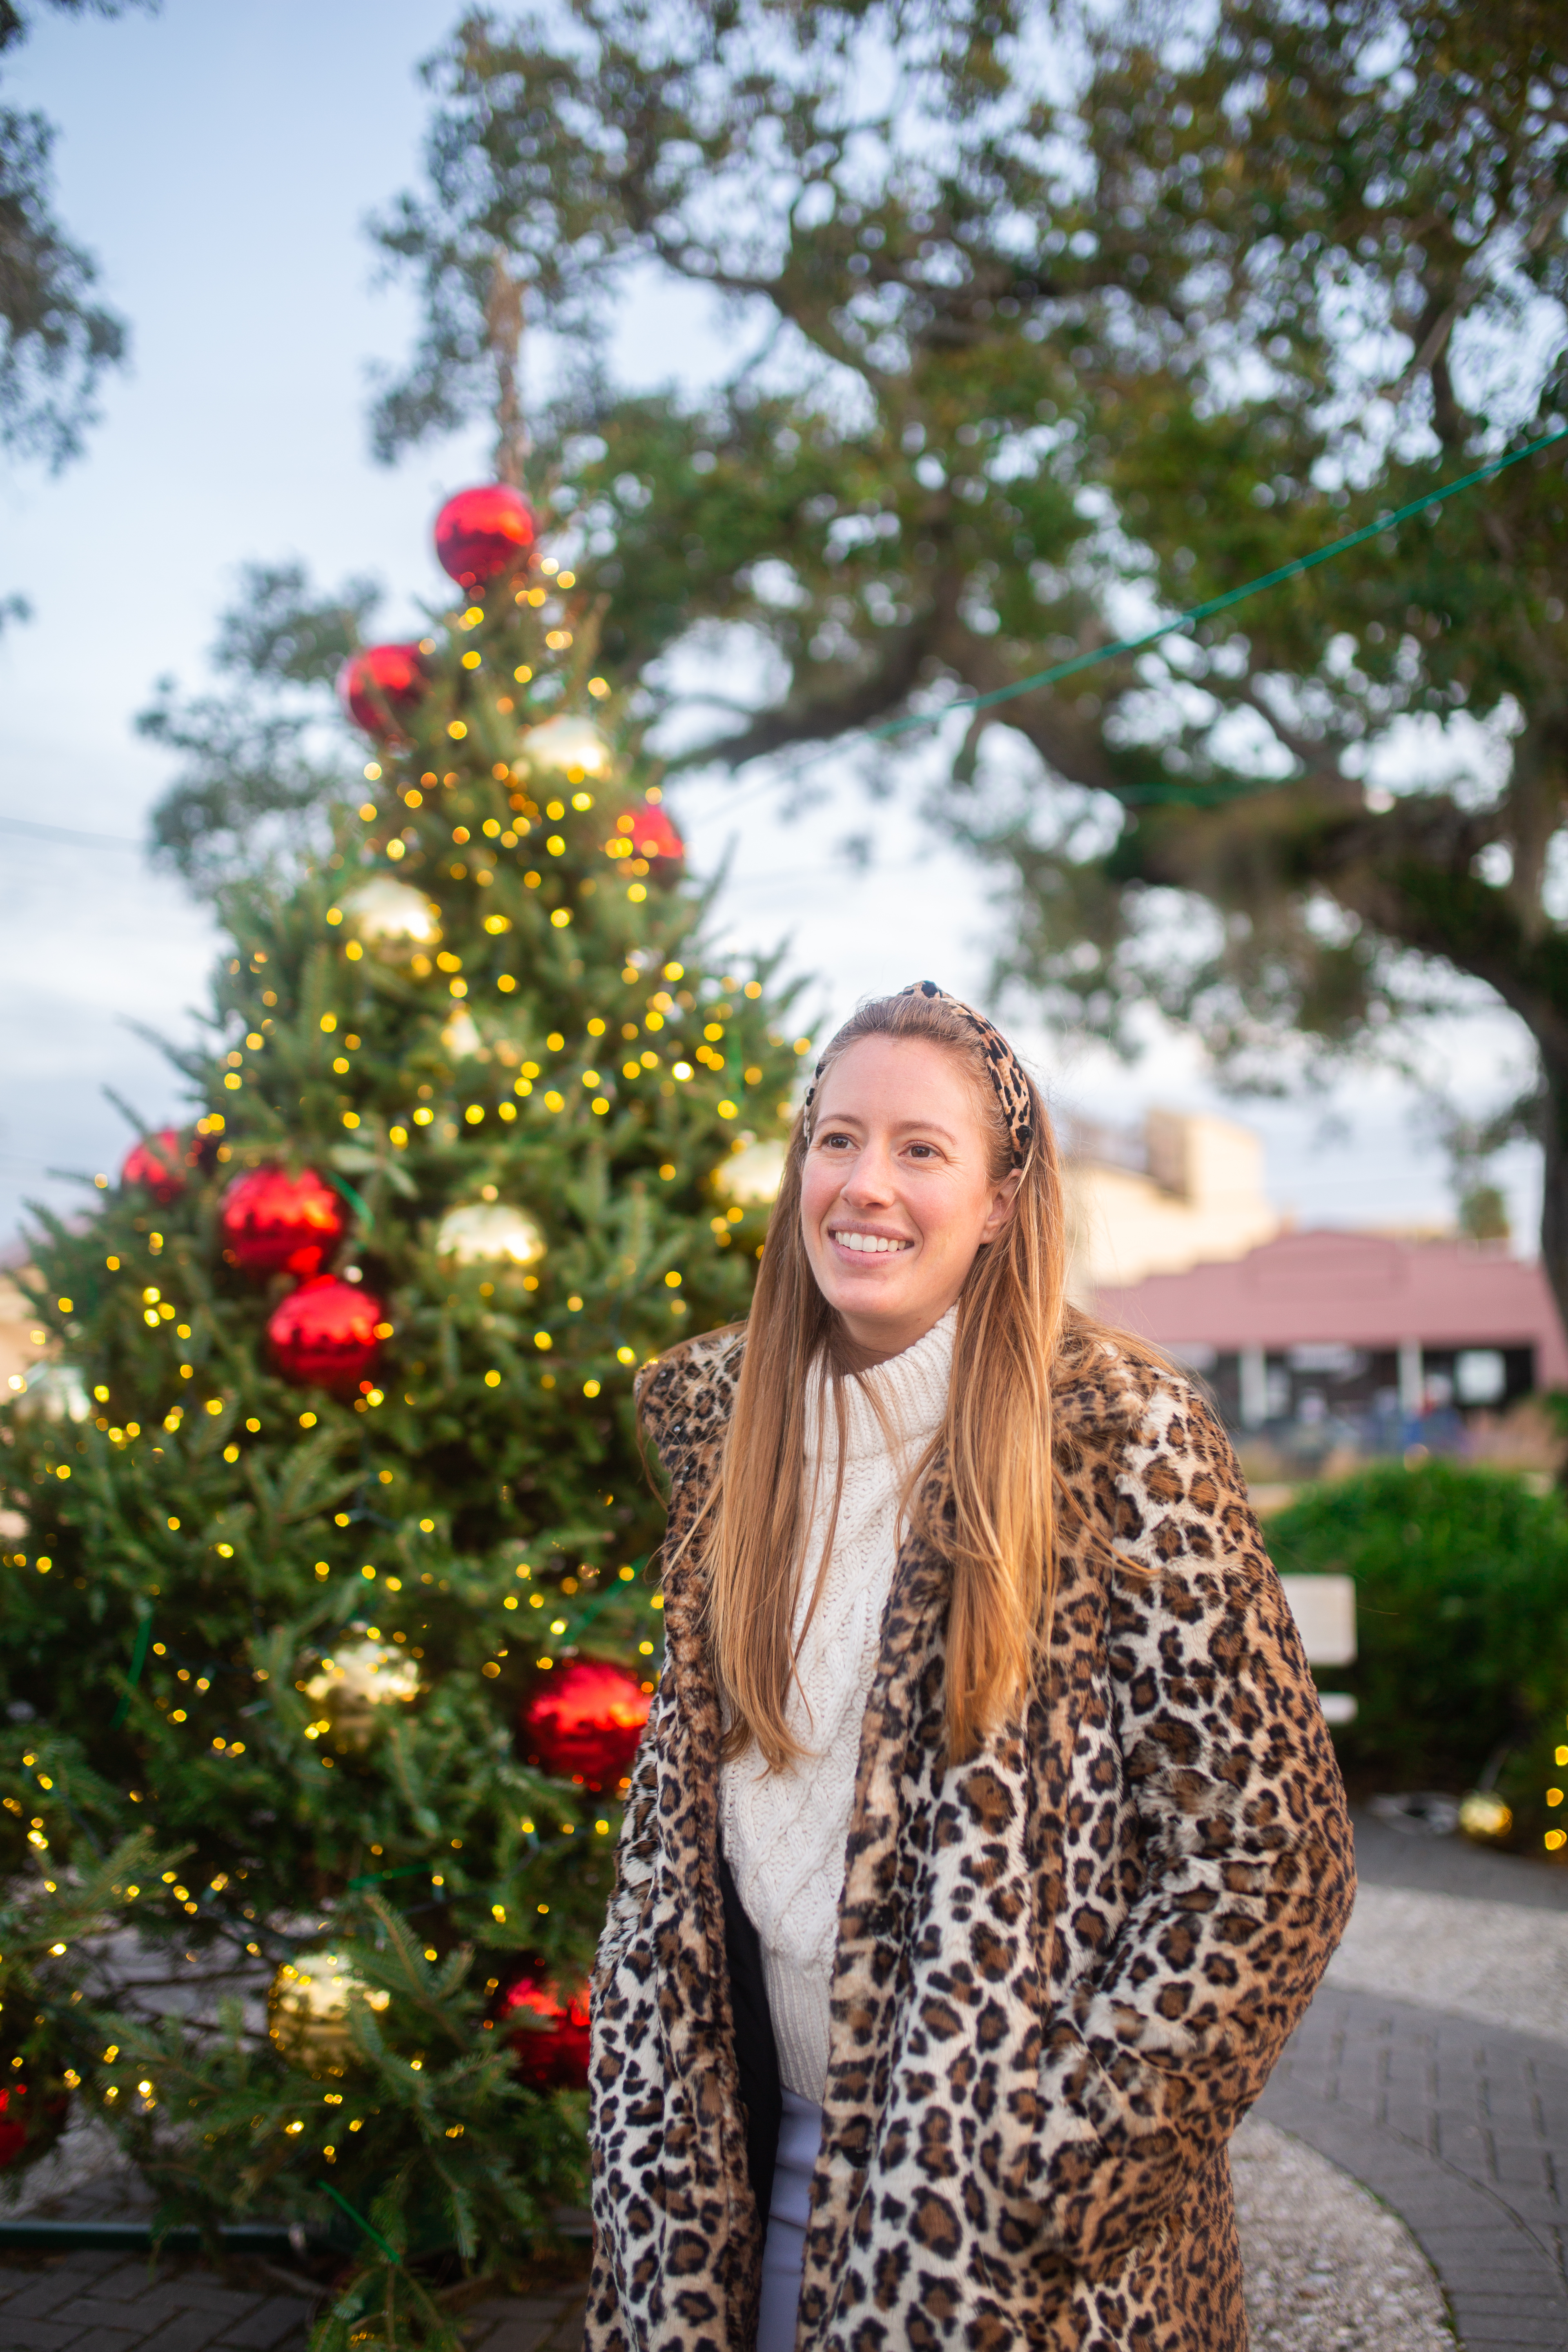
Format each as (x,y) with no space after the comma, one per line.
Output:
(873,1244)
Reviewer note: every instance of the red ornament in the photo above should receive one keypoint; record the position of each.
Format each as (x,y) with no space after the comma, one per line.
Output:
(583,1721)
(274,1223)
(655,837)
(381,686)
(48,2127)
(480,534)
(552,2056)
(324,1334)
(159,1162)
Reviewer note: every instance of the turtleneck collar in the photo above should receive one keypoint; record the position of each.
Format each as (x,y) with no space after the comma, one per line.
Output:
(911,1388)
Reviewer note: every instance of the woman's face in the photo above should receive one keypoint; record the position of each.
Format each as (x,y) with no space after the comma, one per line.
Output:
(895,1197)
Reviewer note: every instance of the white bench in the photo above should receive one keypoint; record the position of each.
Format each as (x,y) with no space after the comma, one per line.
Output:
(1324,1611)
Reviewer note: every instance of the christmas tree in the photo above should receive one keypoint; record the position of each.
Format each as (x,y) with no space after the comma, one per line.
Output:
(332,1621)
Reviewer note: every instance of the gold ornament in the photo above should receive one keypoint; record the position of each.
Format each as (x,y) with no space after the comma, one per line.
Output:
(393,915)
(307,2006)
(488,1230)
(460,1036)
(752,1176)
(358,1678)
(571,746)
(53,1393)
(1484,1815)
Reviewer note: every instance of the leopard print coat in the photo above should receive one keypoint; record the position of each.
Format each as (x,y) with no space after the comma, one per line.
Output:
(1064,1967)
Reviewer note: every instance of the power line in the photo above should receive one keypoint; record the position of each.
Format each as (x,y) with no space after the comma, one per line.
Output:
(1194,614)
(67,832)
(1206,611)
(1058,671)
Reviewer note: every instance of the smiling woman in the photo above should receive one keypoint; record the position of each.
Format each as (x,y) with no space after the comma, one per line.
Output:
(933,1984)
(897,1193)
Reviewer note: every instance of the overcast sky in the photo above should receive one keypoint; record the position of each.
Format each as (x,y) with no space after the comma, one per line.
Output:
(219,159)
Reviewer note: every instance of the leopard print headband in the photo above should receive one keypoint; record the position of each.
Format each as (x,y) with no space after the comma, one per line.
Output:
(1002,1066)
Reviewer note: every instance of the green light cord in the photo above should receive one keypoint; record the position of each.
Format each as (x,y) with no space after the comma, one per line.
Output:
(611,1592)
(138,1660)
(380,1877)
(365,2225)
(355,1200)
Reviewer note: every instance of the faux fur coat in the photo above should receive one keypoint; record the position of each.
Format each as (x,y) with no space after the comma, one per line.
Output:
(1064,1968)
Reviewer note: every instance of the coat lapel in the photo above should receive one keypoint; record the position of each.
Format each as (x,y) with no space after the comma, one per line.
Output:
(712,2233)
(900,1740)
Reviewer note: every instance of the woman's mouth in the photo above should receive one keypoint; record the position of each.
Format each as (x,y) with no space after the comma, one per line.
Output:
(864,1244)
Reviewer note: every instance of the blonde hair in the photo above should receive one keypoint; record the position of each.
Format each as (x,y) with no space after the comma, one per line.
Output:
(989,1508)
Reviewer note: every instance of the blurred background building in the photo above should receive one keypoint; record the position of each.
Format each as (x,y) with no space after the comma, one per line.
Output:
(1327,1343)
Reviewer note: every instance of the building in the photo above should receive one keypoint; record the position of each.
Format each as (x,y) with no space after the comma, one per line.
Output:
(1369,1331)
(1180,1191)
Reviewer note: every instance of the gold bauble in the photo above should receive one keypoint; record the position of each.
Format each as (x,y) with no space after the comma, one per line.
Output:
(460,1035)
(53,1393)
(488,1232)
(360,1678)
(566,746)
(307,2005)
(752,1176)
(1484,1815)
(393,915)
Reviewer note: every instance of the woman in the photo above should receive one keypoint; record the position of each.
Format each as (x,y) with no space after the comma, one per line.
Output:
(985,1823)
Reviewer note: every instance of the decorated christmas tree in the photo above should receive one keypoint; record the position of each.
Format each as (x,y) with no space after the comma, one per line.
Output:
(334,1616)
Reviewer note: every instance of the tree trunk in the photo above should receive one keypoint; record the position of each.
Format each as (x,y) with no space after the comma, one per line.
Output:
(1554,1181)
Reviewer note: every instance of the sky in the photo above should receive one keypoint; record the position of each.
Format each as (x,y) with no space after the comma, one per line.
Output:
(219,160)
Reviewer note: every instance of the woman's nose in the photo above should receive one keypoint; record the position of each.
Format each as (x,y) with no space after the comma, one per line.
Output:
(871,1177)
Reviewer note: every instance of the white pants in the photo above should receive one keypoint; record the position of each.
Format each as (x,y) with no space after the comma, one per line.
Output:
(784,2249)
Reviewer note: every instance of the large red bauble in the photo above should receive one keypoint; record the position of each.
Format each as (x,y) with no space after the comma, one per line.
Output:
(48,2127)
(480,534)
(323,1335)
(583,1721)
(273,1223)
(381,686)
(655,836)
(158,1163)
(552,2056)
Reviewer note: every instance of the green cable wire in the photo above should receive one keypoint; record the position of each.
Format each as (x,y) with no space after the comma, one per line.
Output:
(380,1877)
(612,1592)
(138,1660)
(355,1200)
(1196,613)
(392,2255)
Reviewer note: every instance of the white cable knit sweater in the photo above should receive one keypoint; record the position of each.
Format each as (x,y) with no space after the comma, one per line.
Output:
(785,1833)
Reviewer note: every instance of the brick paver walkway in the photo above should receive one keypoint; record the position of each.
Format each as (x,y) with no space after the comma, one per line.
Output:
(1461,2128)
(102,2302)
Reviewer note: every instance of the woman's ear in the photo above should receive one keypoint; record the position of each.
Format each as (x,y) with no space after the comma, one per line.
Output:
(1002,1200)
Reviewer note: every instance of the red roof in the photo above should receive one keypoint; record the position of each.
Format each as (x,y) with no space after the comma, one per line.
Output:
(1363,1290)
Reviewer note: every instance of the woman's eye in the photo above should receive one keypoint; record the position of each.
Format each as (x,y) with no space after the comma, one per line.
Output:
(925,1151)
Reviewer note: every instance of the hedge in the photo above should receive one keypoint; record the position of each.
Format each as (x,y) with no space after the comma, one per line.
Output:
(1461,1579)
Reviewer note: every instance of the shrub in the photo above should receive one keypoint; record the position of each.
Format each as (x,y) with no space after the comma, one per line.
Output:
(1461,1579)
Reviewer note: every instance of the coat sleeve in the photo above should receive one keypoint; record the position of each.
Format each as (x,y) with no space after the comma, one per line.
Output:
(635,1850)
(615,2029)
(1150,2061)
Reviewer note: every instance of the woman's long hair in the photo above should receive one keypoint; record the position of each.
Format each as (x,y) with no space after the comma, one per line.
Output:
(988,1510)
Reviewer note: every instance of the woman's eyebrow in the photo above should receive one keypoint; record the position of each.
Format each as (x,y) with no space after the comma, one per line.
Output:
(901,1126)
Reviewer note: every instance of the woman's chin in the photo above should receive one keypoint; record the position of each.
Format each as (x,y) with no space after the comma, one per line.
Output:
(866,1290)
